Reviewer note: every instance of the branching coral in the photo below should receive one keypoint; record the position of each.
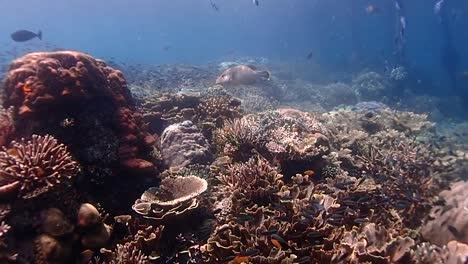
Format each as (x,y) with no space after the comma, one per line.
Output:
(254,181)
(36,166)
(237,138)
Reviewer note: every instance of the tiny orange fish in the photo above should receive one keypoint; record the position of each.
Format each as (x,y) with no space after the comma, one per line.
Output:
(309,172)
(241,259)
(12,152)
(276,243)
(40,171)
(27,89)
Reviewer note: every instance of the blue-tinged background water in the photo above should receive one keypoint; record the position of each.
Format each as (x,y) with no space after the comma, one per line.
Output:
(340,34)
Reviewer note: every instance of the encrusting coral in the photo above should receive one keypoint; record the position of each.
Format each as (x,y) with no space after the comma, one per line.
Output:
(34,167)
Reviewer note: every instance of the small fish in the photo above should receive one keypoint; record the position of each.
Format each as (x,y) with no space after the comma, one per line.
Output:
(314,234)
(279,239)
(304,260)
(309,55)
(241,259)
(306,215)
(276,243)
(465,74)
(372,9)
(349,202)
(457,234)
(27,89)
(25,35)
(360,220)
(438,6)
(286,197)
(309,172)
(255,2)
(244,218)
(215,7)
(269,232)
(251,252)
(402,204)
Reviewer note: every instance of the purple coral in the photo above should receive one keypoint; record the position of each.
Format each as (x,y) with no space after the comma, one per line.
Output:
(34,167)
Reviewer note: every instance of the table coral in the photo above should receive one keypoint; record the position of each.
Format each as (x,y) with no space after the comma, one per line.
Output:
(176,197)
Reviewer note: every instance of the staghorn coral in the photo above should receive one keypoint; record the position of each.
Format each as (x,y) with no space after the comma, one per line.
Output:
(46,88)
(130,254)
(182,144)
(237,138)
(176,197)
(35,167)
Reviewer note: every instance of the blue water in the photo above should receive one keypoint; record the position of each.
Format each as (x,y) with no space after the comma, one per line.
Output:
(340,34)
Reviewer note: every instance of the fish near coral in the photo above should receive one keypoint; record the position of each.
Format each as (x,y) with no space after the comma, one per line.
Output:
(25,35)
(242,75)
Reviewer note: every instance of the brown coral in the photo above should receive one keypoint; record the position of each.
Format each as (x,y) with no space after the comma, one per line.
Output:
(176,196)
(37,165)
(47,87)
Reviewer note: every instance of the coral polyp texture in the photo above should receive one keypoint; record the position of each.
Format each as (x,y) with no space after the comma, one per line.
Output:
(36,166)
(54,92)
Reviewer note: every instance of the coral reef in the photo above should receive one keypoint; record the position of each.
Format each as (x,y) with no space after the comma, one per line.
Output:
(46,88)
(31,168)
(359,184)
(182,144)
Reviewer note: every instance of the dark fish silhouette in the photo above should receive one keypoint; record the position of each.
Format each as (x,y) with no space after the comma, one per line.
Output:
(25,35)
(310,55)
(215,7)
(255,2)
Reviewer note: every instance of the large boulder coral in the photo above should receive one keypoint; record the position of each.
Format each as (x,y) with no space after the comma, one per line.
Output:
(77,98)
(182,144)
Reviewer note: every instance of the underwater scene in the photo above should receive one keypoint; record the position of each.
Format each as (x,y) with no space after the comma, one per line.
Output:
(222,131)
